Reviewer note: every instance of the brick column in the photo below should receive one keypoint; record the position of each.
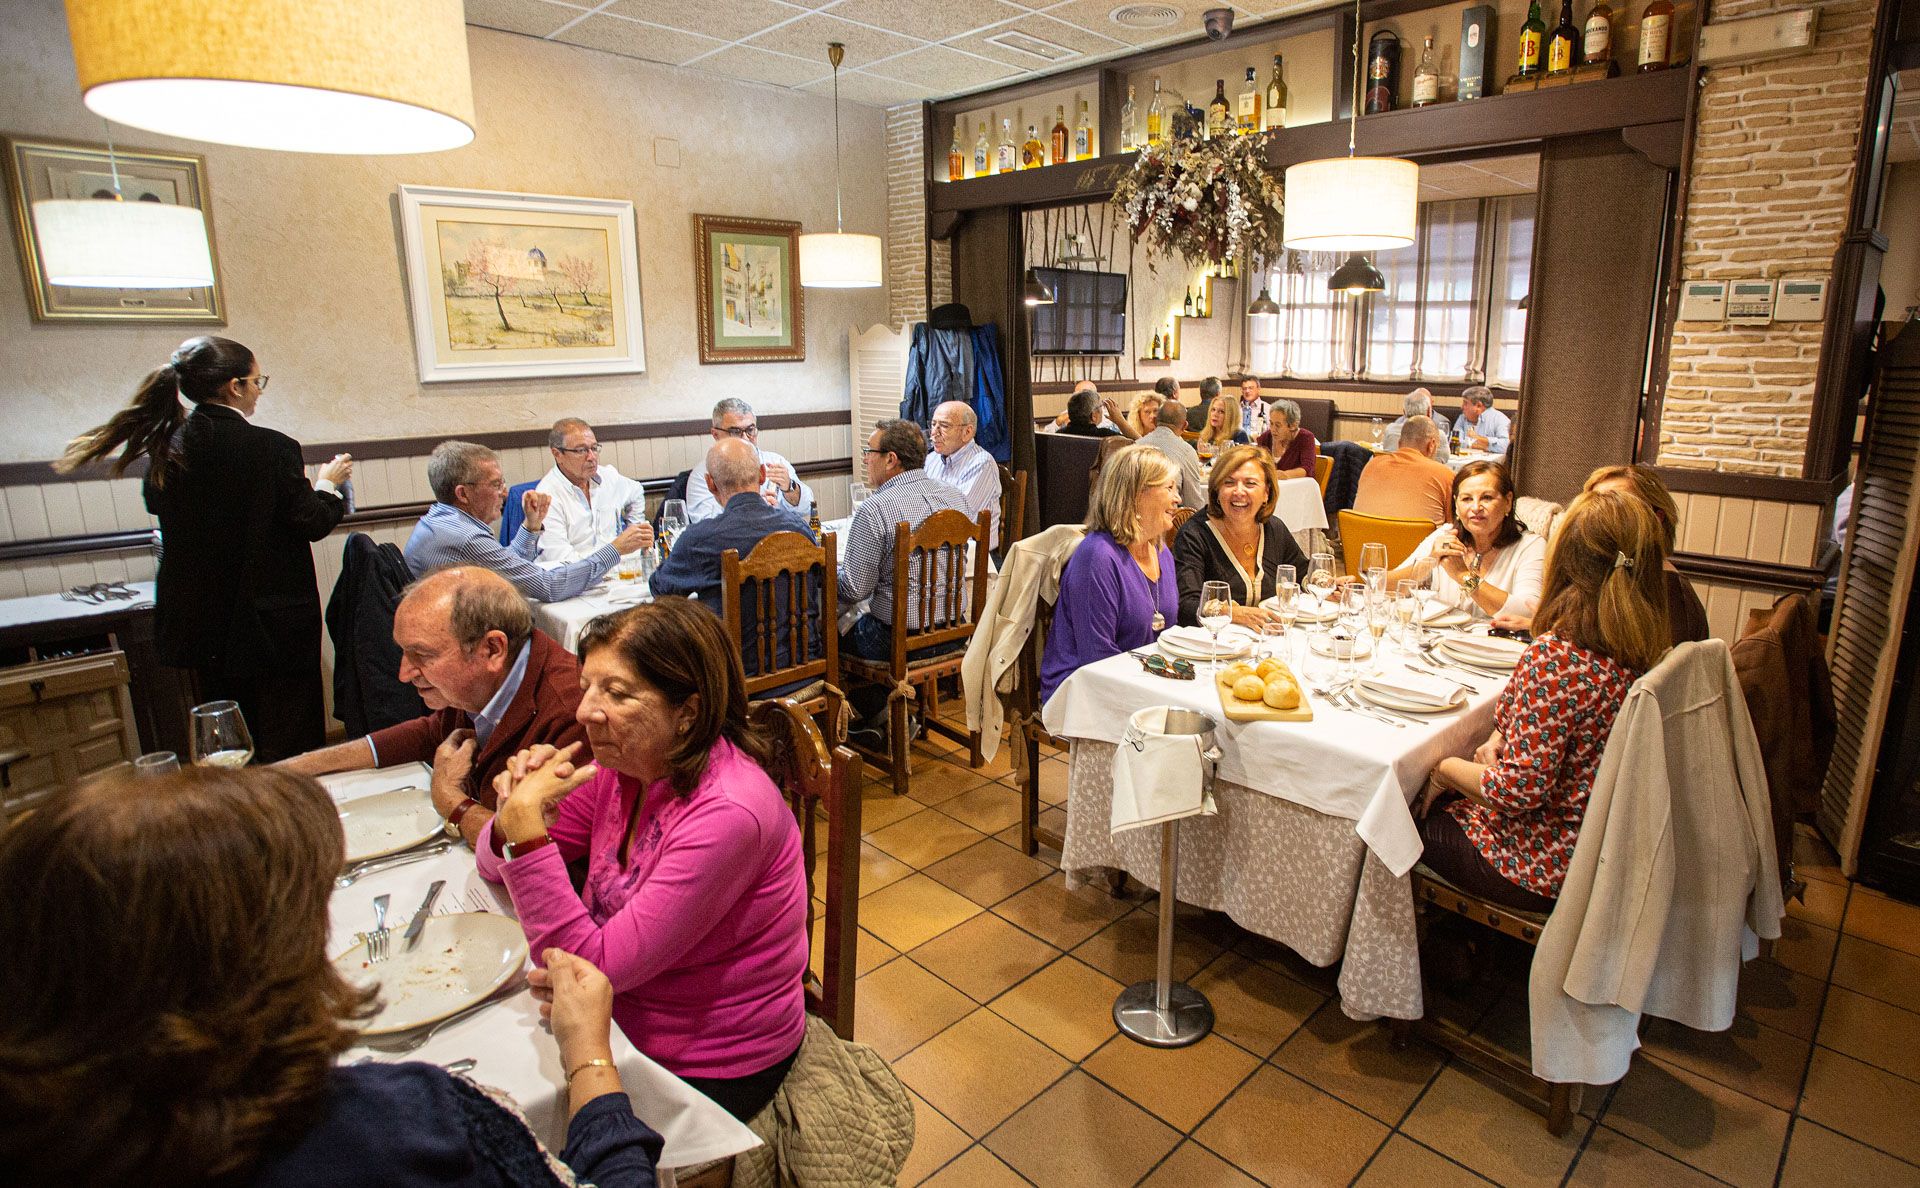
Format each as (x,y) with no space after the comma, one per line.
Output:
(907,224)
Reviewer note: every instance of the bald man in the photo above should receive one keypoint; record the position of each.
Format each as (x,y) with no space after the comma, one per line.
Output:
(493,684)
(959,461)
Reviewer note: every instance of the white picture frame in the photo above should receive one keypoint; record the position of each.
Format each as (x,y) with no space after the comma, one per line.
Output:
(504,285)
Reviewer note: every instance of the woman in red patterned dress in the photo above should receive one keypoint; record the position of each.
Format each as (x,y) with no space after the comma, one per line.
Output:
(1502,824)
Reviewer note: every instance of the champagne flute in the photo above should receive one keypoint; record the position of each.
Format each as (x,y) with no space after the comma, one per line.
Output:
(1379,615)
(1216,611)
(220,736)
(1406,608)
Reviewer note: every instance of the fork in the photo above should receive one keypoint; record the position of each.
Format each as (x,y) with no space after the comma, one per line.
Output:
(1456,682)
(381,934)
(1332,694)
(1351,701)
(378,864)
(411,1040)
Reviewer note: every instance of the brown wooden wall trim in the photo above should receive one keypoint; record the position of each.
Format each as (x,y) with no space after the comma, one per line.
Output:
(1752,486)
(34,473)
(1749,573)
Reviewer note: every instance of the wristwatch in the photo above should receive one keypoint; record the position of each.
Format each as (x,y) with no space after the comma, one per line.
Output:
(452,826)
(514,850)
(1471,582)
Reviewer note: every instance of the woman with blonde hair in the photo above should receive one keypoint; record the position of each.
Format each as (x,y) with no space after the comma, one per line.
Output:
(1502,825)
(1685,614)
(1134,428)
(1238,541)
(1118,591)
(1223,426)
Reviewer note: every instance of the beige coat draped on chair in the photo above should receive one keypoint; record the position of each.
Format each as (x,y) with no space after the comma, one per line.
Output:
(1031,572)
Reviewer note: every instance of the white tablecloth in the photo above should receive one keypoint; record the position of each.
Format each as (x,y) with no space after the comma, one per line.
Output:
(1299,506)
(564,621)
(51,608)
(507,1040)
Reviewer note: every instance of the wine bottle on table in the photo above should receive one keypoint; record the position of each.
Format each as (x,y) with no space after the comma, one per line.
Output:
(1656,35)
(1563,44)
(1531,35)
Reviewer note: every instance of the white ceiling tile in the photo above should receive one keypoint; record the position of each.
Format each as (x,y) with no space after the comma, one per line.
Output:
(933,21)
(739,61)
(808,38)
(943,70)
(872,90)
(534,17)
(729,21)
(636,40)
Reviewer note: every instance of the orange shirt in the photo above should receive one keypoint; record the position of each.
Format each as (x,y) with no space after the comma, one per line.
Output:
(1406,485)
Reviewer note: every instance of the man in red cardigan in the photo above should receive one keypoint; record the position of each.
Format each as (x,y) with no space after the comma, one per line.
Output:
(494,685)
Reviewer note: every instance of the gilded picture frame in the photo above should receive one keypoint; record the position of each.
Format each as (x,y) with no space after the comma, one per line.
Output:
(751,308)
(42,169)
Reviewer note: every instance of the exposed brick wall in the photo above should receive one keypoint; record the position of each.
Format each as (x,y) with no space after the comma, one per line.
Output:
(907,224)
(1772,169)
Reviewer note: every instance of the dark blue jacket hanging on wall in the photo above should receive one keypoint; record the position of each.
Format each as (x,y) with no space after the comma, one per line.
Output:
(952,359)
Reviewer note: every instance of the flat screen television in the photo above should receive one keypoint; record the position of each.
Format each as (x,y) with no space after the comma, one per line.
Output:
(1088,315)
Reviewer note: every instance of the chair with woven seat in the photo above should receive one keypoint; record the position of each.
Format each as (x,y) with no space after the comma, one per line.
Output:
(940,583)
(793,648)
(1401,537)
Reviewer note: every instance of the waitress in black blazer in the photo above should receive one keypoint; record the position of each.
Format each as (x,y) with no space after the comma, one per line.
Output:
(1238,541)
(238,602)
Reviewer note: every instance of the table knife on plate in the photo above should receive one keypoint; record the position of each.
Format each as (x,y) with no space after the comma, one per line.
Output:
(426,909)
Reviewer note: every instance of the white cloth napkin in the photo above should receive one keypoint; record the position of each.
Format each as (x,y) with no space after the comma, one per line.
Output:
(1433,609)
(1198,641)
(1491,648)
(1158,777)
(1412,686)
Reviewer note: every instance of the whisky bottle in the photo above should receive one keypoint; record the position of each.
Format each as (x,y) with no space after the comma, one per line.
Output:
(1007,159)
(982,154)
(1156,117)
(1033,154)
(1129,138)
(1656,35)
(1531,35)
(1563,44)
(1057,142)
(1598,42)
(956,160)
(1219,114)
(1186,307)
(1275,114)
(1083,134)
(1426,79)
(1249,113)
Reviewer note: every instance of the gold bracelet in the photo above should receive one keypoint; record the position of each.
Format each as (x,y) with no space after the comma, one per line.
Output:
(596,1062)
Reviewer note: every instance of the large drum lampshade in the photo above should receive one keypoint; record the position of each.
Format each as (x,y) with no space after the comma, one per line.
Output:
(1351,204)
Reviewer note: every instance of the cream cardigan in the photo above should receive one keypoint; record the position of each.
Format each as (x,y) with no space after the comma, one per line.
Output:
(1032,571)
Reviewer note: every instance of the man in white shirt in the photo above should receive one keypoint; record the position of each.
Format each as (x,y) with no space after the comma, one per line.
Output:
(1419,403)
(1166,419)
(591,503)
(1253,410)
(1486,427)
(733,417)
(1106,419)
(958,461)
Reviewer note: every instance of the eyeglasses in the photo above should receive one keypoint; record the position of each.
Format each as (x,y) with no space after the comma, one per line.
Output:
(871,450)
(585,449)
(742,432)
(259,381)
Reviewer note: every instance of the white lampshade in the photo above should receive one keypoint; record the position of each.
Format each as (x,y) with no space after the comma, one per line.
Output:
(310,76)
(840,260)
(1351,204)
(99,243)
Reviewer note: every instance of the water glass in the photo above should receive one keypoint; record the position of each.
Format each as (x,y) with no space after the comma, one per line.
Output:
(1216,611)
(220,735)
(156,763)
(1320,579)
(1406,609)
(1378,431)
(1379,616)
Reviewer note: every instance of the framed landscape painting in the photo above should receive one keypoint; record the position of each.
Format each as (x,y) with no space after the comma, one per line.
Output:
(517,286)
(749,290)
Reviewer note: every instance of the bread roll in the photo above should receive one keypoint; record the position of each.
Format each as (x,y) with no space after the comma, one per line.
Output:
(1281,693)
(1268,667)
(1234,672)
(1249,688)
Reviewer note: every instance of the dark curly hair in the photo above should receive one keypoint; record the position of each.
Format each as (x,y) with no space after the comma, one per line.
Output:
(171,1014)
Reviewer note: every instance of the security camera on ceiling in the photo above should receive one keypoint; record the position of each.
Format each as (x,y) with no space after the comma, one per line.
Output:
(1219,23)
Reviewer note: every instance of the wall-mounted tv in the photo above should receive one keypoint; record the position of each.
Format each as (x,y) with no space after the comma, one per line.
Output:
(1088,315)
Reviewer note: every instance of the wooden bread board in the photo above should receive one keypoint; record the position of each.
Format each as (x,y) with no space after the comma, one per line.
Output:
(1237,710)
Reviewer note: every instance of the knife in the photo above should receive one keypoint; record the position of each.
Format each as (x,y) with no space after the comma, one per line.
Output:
(420,917)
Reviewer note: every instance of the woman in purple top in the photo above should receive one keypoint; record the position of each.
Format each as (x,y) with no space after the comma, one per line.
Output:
(1118,590)
(695,901)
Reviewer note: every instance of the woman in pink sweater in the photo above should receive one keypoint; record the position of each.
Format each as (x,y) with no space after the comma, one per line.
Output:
(695,902)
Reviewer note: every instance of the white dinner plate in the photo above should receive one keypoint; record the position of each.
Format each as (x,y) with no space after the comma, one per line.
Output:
(1407,705)
(459,961)
(1231,648)
(1308,609)
(388,823)
(1322,645)
(1485,652)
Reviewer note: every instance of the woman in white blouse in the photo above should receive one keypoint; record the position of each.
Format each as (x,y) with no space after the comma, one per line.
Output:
(1485,562)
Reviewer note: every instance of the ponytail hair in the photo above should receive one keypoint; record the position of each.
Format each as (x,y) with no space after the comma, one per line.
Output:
(1605,589)
(145,428)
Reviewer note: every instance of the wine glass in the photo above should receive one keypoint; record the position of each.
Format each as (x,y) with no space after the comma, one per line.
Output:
(1320,580)
(673,521)
(1373,555)
(156,763)
(1216,611)
(220,737)
(1378,431)
(1379,615)
(859,493)
(1406,608)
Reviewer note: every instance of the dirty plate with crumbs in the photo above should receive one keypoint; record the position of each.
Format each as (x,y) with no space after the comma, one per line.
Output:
(388,823)
(460,961)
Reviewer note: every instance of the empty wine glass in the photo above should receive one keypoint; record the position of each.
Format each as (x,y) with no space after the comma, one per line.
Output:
(220,736)
(156,763)
(1378,431)
(673,521)
(1320,579)
(1216,611)
(1373,555)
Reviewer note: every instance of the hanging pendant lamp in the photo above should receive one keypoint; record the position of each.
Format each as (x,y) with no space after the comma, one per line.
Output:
(1358,275)
(1035,293)
(838,260)
(1351,203)
(307,76)
(110,243)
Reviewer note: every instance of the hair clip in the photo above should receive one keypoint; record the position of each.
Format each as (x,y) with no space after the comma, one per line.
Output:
(1622,561)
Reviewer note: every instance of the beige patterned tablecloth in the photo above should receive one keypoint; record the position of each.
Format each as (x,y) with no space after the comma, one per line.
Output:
(1280,869)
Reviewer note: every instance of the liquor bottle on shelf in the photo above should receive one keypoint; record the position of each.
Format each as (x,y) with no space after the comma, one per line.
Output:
(1156,117)
(1186,307)
(1007,159)
(1033,154)
(1129,139)
(1426,78)
(1249,113)
(1275,113)
(1154,352)
(956,160)
(1656,35)
(1057,141)
(1597,44)
(1383,72)
(1219,113)
(1531,35)
(1563,44)
(982,153)
(1083,134)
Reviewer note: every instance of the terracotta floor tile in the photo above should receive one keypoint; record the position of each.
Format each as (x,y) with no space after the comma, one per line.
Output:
(1011,836)
(877,869)
(976,1169)
(1403,1162)
(869,951)
(1179,1085)
(935,1142)
(1193,1166)
(1252,1005)
(1001,766)
(900,1006)
(1867,1029)
(924,838)
(1068,1006)
(988,808)
(1747,1057)
(1805,948)
(1878,972)
(1053,782)
(936,783)
(1474,1121)
(1612,1160)
(1864,1103)
(1772,994)
(1054,819)
(1819,1158)
(984,956)
(1061,917)
(1825,903)
(1875,917)
(979,1071)
(913,911)
(1813,858)
(987,871)
(1356,1062)
(879,808)
(1081,1134)
(1126,949)
(1699,1122)
(1281,1130)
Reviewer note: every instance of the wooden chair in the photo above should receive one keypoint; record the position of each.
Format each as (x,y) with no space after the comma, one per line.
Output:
(1400,536)
(794,589)
(1322,471)
(1013,506)
(936,554)
(1025,733)
(1180,517)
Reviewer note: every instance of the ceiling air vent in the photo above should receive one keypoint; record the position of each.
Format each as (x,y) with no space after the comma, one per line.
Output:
(1026,43)
(1145,16)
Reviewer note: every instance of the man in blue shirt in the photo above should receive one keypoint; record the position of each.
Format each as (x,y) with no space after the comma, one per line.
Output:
(1485,427)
